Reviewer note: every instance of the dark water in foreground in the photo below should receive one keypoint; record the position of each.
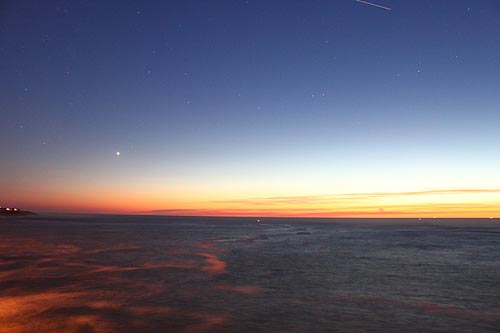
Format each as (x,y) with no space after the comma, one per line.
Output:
(152,274)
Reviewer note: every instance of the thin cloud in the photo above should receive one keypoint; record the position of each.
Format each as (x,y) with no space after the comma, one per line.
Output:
(366,204)
(341,198)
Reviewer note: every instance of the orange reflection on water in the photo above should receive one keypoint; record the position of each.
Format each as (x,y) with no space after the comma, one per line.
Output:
(76,312)
(246,290)
(214,265)
(63,288)
(27,313)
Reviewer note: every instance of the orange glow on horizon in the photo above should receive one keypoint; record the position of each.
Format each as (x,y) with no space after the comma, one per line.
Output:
(459,203)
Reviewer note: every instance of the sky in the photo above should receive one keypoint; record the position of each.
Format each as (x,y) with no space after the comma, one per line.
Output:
(259,108)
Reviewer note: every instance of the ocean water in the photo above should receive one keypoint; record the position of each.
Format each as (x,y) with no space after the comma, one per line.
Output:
(87,273)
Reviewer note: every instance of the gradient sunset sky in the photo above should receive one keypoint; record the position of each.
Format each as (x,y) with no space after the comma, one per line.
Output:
(260,108)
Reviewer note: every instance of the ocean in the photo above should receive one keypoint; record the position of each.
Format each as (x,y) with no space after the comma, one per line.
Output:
(110,273)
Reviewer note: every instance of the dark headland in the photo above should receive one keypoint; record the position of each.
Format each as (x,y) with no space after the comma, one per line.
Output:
(10,211)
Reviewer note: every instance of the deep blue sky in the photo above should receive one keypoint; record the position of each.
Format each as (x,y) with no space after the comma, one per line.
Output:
(241,94)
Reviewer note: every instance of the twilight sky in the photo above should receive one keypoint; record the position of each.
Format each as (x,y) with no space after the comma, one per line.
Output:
(290,108)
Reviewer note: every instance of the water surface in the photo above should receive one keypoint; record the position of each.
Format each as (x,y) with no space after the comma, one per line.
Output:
(86,273)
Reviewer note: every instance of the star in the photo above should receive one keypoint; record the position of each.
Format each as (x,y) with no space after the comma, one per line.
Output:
(117,153)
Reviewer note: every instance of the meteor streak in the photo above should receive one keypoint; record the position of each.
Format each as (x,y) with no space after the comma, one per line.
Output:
(373,4)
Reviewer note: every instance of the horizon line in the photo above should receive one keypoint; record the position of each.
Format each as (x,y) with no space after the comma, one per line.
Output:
(152,213)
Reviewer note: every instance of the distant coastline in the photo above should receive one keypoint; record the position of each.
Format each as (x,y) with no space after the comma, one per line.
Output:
(6,211)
